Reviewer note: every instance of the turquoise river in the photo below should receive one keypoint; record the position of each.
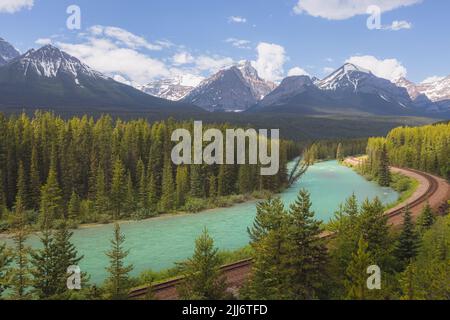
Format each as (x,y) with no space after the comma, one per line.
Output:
(160,242)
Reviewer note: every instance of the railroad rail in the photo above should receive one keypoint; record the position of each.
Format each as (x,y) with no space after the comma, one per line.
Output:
(237,273)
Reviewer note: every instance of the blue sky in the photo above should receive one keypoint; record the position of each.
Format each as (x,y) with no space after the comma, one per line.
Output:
(138,40)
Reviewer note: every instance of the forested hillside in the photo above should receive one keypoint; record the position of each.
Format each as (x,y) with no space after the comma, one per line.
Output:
(424,148)
(85,170)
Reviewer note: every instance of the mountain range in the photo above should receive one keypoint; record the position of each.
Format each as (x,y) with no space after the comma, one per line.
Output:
(232,90)
(50,78)
(348,90)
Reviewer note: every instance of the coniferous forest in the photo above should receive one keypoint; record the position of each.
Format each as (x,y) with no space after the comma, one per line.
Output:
(80,170)
(84,170)
(424,148)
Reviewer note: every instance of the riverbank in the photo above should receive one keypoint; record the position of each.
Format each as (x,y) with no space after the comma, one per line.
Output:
(403,182)
(207,205)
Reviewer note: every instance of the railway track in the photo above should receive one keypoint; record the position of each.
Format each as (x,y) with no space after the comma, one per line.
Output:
(433,186)
(236,273)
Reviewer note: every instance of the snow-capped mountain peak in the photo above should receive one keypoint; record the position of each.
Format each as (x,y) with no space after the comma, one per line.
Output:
(236,88)
(348,76)
(172,89)
(49,62)
(7,52)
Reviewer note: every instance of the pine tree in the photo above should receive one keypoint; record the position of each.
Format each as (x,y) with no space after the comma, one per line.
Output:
(182,182)
(356,275)
(35,180)
(3,199)
(22,185)
(43,267)
(197,186)
(340,153)
(101,201)
(50,206)
(130,203)
(203,279)
(167,202)
(307,254)
(408,242)
(268,239)
(6,258)
(244,179)
(407,282)
(73,208)
(212,183)
(118,188)
(142,186)
(384,173)
(117,283)
(66,255)
(20,280)
(373,225)
(152,193)
(426,218)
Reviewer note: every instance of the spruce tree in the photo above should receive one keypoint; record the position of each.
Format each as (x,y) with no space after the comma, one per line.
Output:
(118,189)
(51,200)
(408,241)
(167,202)
(197,186)
(22,185)
(142,186)
(153,193)
(373,225)
(307,254)
(182,182)
(203,279)
(73,208)
(356,275)
(117,284)
(384,173)
(66,255)
(43,267)
(101,202)
(20,281)
(212,183)
(244,179)
(130,202)
(269,277)
(3,205)
(340,153)
(35,180)
(6,258)
(426,218)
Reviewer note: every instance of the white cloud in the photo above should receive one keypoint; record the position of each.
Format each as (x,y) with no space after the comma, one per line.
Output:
(182,58)
(107,57)
(212,63)
(432,79)
(11,6)
(344,9)
(121,79)
(390,69)
(43,41)
(270,61)
(125,37)
(237,19)
(398,25)
(239,43)
(297,71)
